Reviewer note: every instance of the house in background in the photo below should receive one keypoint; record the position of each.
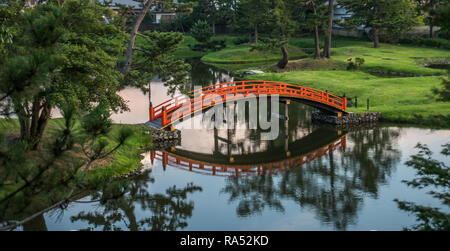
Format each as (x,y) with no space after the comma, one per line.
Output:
(163,16)
(136,7)
(157,13)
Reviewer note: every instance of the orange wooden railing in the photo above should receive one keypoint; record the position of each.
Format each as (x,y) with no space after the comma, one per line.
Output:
(196,166)
(180,106)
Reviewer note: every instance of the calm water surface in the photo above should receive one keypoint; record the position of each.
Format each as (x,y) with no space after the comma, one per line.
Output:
(310,178)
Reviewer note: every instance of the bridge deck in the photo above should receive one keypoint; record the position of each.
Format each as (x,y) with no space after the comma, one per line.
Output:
(157,123)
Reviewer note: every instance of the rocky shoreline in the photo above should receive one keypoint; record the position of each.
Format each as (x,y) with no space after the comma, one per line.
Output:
(349,119)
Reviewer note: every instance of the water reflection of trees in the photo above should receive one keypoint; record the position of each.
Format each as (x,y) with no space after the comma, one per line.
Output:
(203,74)
(334,187)
(118,202)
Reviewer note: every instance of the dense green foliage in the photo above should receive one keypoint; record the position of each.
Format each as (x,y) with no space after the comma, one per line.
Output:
(428,42)
(60,54)
(201,31)
(153,56)
(391,16)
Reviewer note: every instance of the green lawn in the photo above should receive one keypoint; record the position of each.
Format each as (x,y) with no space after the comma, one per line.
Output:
(399,99)
(392,58)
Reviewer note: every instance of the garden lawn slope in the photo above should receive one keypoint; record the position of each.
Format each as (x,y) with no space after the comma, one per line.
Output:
(399,99)
(242,55)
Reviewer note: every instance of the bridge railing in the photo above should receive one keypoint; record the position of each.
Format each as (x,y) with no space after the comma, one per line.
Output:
(202,167)
(180,106)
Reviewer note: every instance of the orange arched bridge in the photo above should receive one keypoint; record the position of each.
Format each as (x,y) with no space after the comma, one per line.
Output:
(239,170)
(175,109)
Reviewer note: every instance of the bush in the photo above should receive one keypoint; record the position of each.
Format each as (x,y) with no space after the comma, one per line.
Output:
(240,40)
(429,42)
(213,45)
(201,31)
(444,94)
(267,45)
(354,65)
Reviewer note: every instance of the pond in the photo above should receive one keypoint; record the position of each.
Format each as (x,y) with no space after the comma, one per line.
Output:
(311,177)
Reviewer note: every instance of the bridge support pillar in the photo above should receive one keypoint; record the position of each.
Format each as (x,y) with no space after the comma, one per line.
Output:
(286,110)
(286,127)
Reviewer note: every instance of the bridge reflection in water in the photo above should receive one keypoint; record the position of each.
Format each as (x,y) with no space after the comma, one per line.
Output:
(170,158)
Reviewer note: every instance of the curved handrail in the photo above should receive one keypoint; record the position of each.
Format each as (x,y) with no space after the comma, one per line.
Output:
(196,166)
(169,111)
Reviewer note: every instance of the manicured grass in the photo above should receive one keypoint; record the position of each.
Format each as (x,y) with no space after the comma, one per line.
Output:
(399,99)
(242,55)
(392,58)
(309,64)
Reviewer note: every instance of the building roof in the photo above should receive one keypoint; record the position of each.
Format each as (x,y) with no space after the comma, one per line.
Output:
(136,5)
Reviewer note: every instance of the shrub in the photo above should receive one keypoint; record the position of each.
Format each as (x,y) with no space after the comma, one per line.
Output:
(201,31)
(267,45)
(213,45)
(444,93)
(240,40)
(354,65)
(429,42)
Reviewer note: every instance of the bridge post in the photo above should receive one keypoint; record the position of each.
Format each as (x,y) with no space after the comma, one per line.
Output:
(165,160)
(152,156)
(151,112)
(164,116)
(345,103)
(286,109)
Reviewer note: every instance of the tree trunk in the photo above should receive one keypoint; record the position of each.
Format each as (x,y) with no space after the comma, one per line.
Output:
(32,126)
(41,111)
(325,47)
(132,39)
(214,27)
(284,61)
(327,51)
(24,128)
(316,43)
(376,38)
(431,31)
(256,33)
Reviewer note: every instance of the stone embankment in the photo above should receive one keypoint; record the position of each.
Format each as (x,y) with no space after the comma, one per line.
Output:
(160,135)
(349,119)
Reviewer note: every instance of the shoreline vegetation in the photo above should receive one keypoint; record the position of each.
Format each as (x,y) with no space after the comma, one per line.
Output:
(125,160)
(397,79)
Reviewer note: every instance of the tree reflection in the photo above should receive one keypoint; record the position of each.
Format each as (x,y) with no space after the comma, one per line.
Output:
(334,187)
(203,74)
(118,201)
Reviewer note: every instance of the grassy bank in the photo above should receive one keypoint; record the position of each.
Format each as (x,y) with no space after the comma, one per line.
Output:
(399,99)
(123,161)
(242,55)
